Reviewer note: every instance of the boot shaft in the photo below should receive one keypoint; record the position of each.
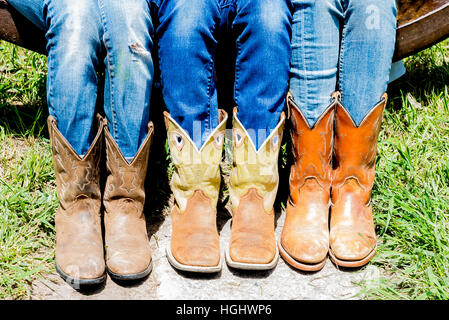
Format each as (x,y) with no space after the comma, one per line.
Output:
(195,169)
(76,177)
(355,147)
(255,169)
(311,147)
(126,180)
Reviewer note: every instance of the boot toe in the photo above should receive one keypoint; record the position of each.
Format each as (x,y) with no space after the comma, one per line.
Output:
(127,263)
(246,252)
(352,246)
(306,247)
(128,255)
(82,267)
(200,247)
(200,256)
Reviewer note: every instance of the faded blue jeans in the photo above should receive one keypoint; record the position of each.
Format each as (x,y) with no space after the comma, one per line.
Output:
(344,45)
(187,47)
(86,36)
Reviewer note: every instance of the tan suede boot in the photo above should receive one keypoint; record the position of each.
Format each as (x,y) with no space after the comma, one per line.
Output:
(304,242)
(79,243)
(195,183)
(253,186)
(352,234)
(128,253)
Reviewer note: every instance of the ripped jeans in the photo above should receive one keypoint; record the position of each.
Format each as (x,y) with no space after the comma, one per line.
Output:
(84,37)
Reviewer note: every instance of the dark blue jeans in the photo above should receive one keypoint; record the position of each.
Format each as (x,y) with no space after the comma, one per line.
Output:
(187,48)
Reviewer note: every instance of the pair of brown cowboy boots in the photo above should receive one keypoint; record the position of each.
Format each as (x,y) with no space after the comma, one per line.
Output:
(80,252)
(195,244)
(333,172)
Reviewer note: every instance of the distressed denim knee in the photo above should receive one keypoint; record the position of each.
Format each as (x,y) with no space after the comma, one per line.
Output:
(263,50)
(186,51)
(73,45)
(128,39)
(315,53)
(368,41)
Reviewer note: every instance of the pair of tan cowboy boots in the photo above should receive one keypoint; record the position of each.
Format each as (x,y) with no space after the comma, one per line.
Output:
(333,171)
(80,252)
(195,183)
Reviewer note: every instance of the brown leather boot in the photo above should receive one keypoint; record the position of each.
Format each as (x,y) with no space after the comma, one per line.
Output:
(128,253)
(79,243)
(253,186)
(195,244)
(352,234)
(305,236)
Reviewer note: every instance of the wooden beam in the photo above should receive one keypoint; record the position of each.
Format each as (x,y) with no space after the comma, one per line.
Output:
(421,24)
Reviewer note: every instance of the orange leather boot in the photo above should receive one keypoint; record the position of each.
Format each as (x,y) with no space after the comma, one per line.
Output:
(304,241)
(195,243)
(79,243)
(253,186)
(352,235)
(128,253)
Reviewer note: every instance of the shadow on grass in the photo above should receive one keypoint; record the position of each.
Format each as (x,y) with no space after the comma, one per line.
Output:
(25,119)
(424,76)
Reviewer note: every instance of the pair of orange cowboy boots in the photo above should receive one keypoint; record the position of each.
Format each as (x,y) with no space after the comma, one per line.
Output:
(80,252)
(333,172)
(195,183)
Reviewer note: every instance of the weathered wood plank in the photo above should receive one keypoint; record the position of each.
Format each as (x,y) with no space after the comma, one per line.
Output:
(421,23)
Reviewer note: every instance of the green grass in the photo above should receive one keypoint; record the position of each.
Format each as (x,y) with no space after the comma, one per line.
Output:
(410,197)
(22,90)
(27,189)
(411,193)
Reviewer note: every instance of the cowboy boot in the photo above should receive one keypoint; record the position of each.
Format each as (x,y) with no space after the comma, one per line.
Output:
(195,183)
(79,243)
(128,252)
(352,234)
(253,186)
(305,236)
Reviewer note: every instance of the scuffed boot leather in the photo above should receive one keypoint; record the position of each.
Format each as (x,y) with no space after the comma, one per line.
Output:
(79,243)
(352,234)
(195,183)
(305,236)
(128,252)
(253,186)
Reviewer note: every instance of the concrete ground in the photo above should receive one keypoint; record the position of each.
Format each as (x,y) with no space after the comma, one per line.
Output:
(166,283)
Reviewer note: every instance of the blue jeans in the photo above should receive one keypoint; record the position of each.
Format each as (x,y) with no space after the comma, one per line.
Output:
(344,45)
(84,37)
(189,32)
